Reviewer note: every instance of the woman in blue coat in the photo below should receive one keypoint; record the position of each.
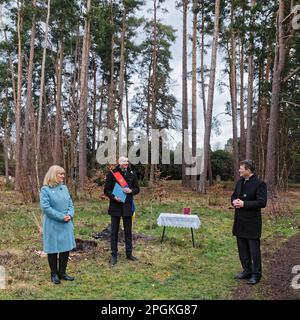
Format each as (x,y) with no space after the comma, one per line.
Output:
(58,229)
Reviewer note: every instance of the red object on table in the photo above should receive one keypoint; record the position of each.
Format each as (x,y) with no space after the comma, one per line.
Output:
(186,210)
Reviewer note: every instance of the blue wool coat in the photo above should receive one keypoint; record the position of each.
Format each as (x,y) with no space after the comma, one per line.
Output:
(58,235)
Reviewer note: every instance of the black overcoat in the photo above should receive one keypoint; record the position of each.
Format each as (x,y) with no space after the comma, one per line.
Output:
(247,220)
(116,208)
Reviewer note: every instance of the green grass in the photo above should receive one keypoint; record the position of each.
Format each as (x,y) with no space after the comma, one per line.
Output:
(172,270)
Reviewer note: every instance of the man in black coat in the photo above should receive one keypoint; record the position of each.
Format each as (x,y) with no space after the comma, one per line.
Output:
(250,195)
(118,209)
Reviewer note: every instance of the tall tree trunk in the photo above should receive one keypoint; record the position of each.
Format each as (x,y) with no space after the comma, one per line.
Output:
(83,104)
(42,88)
(263,118)
(94,110)
(210,173)
(185,123)
(127,110)
(153,86)
(29,116)
(18,104)
(73,118)
(233,91)
(194,92)
(6,139)
(203,93)
(5,150)
(250,89)
(257,150)
(121,82)
(279,62)
(207,133)
(58,151)
(242,112)
(111,108)
(147,168)
(6,136)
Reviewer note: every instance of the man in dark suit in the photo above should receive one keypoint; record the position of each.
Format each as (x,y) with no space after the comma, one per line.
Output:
(250,195)
(118,209)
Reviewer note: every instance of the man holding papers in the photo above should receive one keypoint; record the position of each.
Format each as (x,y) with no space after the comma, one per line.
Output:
(120,186)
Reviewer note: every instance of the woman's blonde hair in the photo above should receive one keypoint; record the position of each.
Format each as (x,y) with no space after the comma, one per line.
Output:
(50,177)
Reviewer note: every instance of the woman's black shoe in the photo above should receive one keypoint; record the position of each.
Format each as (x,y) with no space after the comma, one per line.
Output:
(66,277)
(113,260)
(55,279)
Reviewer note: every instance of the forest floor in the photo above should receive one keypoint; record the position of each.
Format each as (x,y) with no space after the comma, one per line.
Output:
(277,280)
(171,270)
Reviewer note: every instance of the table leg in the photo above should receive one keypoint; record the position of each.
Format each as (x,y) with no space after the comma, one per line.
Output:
(162,237)
(193,237)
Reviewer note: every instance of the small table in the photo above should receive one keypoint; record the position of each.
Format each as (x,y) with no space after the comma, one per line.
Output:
(180,221)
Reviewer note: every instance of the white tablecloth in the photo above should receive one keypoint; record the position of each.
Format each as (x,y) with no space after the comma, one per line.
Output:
(179,220)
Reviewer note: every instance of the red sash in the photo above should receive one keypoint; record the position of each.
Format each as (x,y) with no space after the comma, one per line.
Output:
(121,181)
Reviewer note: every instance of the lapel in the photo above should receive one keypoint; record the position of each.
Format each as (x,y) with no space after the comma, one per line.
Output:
(239,188)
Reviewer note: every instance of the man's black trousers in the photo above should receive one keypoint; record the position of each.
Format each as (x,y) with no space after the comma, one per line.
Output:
(250,255)
(115,223)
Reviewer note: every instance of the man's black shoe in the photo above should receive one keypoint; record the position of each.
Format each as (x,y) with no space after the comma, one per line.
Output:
(66,277)
(132,258)
(254,279)
(243,275)
(113,260)
(55,279)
